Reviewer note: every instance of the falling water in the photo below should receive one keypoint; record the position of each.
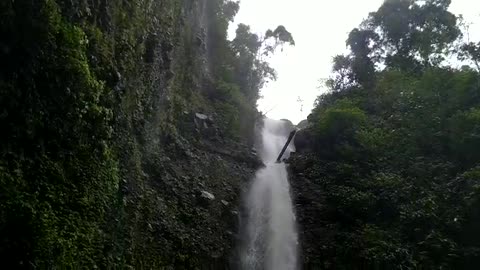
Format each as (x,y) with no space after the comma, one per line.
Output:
(269,231)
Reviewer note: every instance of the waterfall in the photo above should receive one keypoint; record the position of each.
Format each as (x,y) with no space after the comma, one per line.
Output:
(269,236)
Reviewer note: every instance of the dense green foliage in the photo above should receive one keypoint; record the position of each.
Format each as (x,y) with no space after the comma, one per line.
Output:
(58,177)
(393,178)
(99,163)
(240,70)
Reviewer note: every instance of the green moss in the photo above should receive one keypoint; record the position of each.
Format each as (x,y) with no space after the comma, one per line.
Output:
(91,101)
(61,177)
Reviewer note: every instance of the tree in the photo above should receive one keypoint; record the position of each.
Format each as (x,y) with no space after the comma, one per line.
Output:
(252,70)
(407,35)
(390,179)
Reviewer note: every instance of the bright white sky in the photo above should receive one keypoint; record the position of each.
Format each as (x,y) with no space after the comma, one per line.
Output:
(320,28)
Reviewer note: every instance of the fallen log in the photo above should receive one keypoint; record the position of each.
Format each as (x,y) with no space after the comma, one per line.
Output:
(290,137)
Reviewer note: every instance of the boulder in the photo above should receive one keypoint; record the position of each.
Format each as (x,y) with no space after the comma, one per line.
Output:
(205,125)
(201,121)
(304,141)
(201,116)
(207,195)
(288,124)
(224,202)
(303,124)
(206,198)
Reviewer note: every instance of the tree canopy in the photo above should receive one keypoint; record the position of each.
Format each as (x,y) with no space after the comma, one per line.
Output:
(392,181)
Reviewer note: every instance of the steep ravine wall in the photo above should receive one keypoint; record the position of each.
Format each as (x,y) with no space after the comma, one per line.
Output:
(308,202)
(181,187)
(181,196)
(175,173)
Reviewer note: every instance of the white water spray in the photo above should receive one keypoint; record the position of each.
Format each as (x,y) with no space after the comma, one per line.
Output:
(269,233)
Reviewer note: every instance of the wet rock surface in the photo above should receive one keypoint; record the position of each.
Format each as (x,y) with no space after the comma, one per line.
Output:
(308,200)
(192,190)
(303,141)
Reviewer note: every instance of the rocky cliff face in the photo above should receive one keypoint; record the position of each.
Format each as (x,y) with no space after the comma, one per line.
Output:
(309,201)
(182,174)
(148,176)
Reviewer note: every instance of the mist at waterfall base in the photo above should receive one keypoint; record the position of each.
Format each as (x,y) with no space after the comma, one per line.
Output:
(268,230)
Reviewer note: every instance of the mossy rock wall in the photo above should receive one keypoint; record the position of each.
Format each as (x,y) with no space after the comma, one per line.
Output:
(103,160)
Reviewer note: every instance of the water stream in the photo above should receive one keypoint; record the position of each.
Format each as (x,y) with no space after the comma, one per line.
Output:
(269,231)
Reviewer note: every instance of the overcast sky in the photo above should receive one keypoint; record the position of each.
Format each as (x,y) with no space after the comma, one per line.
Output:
(320,28)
